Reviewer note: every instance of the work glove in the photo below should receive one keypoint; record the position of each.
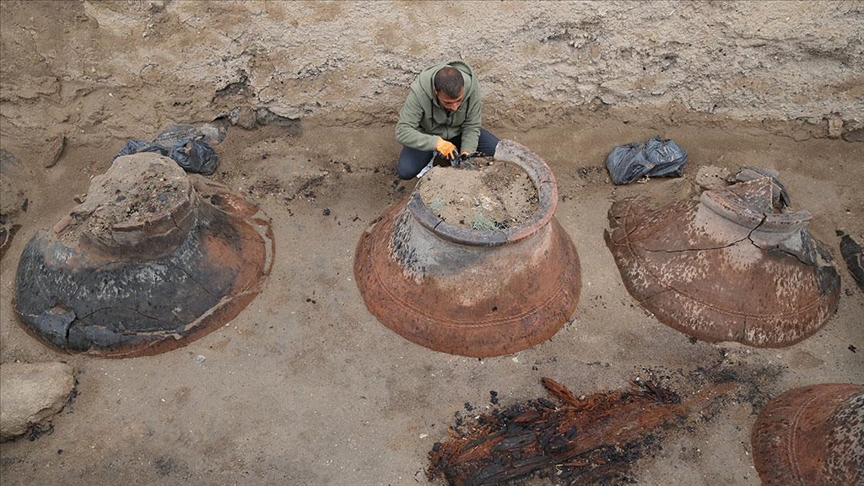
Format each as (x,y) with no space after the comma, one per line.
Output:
(447,149)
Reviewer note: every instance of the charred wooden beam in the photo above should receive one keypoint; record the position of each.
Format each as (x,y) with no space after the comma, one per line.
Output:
(584,438)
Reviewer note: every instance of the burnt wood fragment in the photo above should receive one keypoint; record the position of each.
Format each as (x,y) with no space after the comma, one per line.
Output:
(584,439)
(854,258)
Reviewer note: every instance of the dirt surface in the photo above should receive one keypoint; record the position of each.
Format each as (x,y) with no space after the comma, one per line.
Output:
(487,197)
(305,386)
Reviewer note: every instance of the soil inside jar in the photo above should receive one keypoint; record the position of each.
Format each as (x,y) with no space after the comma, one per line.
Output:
(493,195)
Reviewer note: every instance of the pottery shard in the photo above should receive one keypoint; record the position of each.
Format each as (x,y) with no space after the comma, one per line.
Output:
(31,393)
(856,135)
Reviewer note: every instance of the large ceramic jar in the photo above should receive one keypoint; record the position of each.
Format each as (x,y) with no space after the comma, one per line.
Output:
(472,292)
(729,266)
(152,260)
(811,435)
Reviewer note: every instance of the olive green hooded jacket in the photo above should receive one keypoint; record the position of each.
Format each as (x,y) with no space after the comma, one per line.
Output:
(422,119)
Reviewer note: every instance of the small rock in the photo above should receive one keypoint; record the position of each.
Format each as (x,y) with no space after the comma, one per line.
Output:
(62,224)
(56,151)
(854,135)
(31,393)
(243,116)
(835,126)
(607,99)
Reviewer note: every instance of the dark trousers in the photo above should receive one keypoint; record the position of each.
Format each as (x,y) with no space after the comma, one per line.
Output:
(412,161)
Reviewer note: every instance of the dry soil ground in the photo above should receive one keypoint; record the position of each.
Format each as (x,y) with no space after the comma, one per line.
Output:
(306,387)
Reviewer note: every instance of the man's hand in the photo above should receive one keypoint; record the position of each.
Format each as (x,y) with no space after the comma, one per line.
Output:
(447,149)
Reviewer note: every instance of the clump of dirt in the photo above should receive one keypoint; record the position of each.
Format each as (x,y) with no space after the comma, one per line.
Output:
(492,195)
(136,189)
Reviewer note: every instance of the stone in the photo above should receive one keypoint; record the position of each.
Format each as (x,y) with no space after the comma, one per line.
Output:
(31,393)
(243,116)
(56,150)
(835,126)
(856,135)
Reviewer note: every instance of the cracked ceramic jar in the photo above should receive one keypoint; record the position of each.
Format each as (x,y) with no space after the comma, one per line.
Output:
(152,260)
(811,435)
(728,266)
(471,292)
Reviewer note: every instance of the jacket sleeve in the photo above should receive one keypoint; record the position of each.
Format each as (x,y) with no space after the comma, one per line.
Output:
(407,128)
(472,123)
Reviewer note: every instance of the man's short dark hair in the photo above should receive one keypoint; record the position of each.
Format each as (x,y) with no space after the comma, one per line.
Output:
(449,80)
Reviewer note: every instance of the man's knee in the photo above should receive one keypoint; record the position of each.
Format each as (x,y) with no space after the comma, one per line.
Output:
(405,172)
(487,143)
(411,162)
